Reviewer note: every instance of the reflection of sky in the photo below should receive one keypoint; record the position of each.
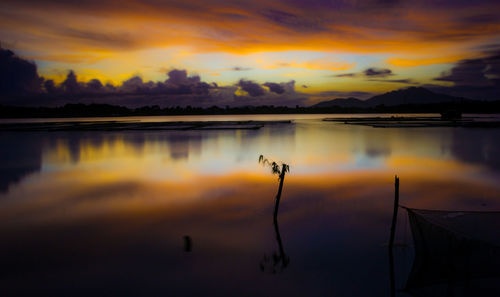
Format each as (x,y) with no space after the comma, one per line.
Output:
(122,201)
(310,147)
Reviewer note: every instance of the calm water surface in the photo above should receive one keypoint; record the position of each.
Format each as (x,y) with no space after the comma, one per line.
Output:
(108,213)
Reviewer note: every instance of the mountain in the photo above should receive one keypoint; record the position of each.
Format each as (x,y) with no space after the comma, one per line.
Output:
(342,102)
(412,95)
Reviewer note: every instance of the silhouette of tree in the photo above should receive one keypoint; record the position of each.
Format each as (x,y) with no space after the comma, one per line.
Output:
(277,261)
(280,171)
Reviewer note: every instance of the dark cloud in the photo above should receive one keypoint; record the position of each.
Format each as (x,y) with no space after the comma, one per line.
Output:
(369,73)
(484,18)
(50,86)
(178,83)
(120,40)
(304,86)
(179,89)
(17,76)
(346,23)
(302,23)
(180,77)
(400,81)
(274,87)
(345,75)
(133,84)
(252,88)
(475,78)
(70,84)
(95,85)
(237,68)
(377,72)
(470,73)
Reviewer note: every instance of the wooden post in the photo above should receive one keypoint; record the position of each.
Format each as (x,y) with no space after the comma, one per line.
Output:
(395,211)
(278,196)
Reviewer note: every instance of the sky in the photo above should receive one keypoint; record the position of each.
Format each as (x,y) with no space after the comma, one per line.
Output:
(290,51)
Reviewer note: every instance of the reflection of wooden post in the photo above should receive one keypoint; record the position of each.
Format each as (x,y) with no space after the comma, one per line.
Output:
(393,231)
(391,273)
(278,196)
(395,211)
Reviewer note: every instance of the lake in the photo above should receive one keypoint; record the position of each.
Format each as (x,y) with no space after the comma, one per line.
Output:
(190,213)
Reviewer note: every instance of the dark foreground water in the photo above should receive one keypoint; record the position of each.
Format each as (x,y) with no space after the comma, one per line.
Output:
(189,213)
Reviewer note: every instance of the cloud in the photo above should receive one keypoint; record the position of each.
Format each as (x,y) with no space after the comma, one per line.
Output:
(50,86)
(17,76)
(94,84)
(237,68)
(400,81)
(345,75)
(178,89)
(252,88)
(274,87)
(368,73)
(294,22)
(475,78)
(284,94)
(473,72)
(377,72)
(180,77)
(133,84)
(117,40)
(233,26)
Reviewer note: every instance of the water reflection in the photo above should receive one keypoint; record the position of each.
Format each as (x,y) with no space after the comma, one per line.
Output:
(20,155)
(110,211)
(310,146)
(275,262)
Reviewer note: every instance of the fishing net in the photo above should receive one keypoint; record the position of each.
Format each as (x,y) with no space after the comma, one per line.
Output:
(455,248)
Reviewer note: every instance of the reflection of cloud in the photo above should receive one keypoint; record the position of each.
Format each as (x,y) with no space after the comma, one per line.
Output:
(477,147)
(377,152)
(20,155)
(105,228)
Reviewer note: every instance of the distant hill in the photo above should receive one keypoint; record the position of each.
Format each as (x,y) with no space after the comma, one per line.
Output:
(343,102)
(412,95)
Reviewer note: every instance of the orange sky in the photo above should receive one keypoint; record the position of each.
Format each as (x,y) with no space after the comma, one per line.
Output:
(308,42)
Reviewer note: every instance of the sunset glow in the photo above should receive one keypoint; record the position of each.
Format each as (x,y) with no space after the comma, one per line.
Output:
(314,44)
